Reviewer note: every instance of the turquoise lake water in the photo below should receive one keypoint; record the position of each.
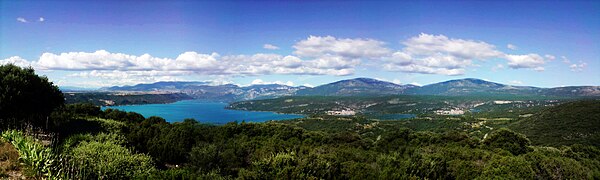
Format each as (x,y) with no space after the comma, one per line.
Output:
(202,111)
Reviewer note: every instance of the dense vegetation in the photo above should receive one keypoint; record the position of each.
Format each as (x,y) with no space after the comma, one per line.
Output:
(566,124)
(26,98)
(89,143)
(413,104)
(115,99)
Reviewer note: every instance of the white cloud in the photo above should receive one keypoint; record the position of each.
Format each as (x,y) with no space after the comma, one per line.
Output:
(270,47)
(578,67)
(532,61)
(438,54)
(15,60)
(106,65)
(41,19)
(512,47)
(549,57)
(316,55)
(21,19)
(427,45)
(318,46)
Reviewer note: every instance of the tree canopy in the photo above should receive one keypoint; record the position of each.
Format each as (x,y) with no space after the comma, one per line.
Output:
(26,97)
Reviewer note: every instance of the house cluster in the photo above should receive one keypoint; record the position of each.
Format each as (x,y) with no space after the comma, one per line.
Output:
(342,113)
(450,112)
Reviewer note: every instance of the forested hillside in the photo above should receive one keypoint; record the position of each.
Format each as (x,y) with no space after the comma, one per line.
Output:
(115,99)
(566,124)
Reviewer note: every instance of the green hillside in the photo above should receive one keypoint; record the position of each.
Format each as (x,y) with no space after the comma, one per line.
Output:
(566,124)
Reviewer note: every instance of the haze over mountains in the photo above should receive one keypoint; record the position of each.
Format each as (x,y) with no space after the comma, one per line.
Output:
(354,87)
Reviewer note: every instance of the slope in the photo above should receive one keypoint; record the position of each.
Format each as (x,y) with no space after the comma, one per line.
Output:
(566,124)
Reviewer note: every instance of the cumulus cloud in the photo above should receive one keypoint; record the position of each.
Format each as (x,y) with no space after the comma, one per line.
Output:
(426,45)
(438,54)
(318,46)
(315,55)
(108,65)
(549,57)
(578,67)
(512,47)
(21,19)
(41,19)
(533,61)
(16,60)
(270,47)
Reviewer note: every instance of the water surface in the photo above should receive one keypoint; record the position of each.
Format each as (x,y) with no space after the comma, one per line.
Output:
(202,111)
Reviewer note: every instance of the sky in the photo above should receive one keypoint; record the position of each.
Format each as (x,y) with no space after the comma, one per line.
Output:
(107,43)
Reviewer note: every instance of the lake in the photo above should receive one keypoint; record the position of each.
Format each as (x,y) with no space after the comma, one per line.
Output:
(202,111)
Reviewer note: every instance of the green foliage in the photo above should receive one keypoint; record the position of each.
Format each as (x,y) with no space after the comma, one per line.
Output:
(108,160)
(110,99)
(26,97)
(34,155)
(566,124)
(508,140)
(84,109)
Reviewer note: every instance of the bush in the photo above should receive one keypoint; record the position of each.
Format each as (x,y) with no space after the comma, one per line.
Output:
(508,140)
(107,160)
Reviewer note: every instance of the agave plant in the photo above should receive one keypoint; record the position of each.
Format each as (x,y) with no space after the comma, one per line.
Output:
(32,153)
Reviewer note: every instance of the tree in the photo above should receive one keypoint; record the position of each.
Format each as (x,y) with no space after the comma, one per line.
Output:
(26,97)
(508,140)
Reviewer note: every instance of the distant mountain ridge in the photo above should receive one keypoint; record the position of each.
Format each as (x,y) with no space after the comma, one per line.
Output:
(472,86)
(357,87)
(205,91)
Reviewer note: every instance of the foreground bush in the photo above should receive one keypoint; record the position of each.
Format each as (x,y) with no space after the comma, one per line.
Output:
(110,161)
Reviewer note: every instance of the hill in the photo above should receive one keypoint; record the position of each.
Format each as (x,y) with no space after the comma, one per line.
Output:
(157,86)
(565,124)
(471,86)
(358,86)
(205,91)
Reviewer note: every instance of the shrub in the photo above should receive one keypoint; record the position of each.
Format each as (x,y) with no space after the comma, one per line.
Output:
(107,160)
(508,140)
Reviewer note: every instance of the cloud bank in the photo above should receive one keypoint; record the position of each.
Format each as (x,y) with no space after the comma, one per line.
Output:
(315,55)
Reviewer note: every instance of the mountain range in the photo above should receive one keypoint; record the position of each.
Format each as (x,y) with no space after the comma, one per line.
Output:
(357,87)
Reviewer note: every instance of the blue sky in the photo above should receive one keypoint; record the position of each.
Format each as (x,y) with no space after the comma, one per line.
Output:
(94,44)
